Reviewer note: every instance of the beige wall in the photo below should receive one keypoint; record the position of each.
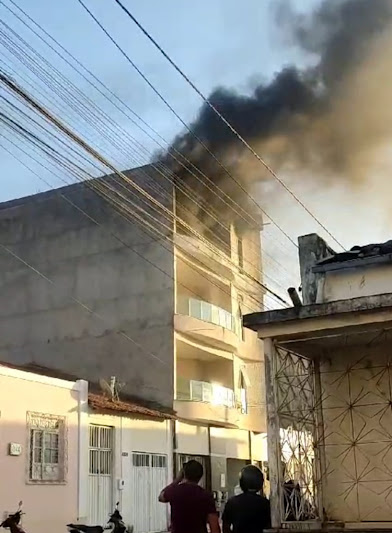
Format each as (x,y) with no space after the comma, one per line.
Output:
(354,283)
(255,420)
(356,386)
(192,439)
(217,371)
(19,394)
(259,446)
(194,283)
(232,443)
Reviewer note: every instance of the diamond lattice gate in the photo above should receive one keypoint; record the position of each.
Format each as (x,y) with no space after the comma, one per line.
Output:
(330,431)
(293,418)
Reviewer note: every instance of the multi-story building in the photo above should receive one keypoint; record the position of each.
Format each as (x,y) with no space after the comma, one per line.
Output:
(89,290)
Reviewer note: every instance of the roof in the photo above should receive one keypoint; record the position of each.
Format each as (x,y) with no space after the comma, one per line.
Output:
(128,406)
(362,304)
(99,402)
(41,371)
(370,253)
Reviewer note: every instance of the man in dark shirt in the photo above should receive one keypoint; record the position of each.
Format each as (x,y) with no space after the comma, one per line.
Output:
(248,512)
(192,507)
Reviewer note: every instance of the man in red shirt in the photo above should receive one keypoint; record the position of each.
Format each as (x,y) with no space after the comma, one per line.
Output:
(192,507)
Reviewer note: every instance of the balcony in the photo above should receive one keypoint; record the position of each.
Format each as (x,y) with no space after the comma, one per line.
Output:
(211,313)
(206,402)
(194,315)
(202,391)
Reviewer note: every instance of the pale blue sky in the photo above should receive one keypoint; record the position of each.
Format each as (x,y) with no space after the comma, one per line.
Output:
(216,42)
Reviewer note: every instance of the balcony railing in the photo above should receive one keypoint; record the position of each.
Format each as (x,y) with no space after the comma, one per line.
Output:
(208,313)
(202,391)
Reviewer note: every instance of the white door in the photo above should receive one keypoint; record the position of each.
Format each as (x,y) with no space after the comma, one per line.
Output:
(149,477)
(100,474)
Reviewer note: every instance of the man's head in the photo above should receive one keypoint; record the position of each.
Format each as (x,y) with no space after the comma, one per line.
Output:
(251,479)
(193,471)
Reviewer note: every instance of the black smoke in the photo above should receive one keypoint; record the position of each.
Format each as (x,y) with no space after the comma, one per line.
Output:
(317,118)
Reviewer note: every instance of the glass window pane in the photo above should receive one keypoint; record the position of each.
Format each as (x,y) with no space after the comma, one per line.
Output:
(197,391)
(37,455)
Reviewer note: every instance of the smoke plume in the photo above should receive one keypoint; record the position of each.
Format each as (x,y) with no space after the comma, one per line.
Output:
(330,119)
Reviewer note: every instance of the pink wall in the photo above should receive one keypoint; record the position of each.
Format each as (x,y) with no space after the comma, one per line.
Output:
(48,507)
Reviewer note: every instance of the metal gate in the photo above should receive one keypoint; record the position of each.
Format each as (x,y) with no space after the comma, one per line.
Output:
(100,474)
(149,477)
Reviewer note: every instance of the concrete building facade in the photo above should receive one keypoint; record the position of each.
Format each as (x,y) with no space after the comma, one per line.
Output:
(328,388)
(161,313)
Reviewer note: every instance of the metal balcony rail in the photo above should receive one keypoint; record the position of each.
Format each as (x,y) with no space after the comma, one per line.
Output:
(202,391)
(208,313)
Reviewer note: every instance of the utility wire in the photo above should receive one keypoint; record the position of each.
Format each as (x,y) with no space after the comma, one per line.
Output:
(163,99)
(225,121)
(59,125)
(77,301)
(176,184)
(97,181)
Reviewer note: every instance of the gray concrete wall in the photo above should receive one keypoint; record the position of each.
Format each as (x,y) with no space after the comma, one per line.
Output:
(41,323)
(311,249)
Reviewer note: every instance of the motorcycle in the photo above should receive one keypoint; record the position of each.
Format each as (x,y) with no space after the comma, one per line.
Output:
(12,522)
(115,523)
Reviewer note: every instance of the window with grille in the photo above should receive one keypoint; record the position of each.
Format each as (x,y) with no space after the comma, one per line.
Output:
(140,459)
(152,460)
(46,446)
(100,450)
(158,461)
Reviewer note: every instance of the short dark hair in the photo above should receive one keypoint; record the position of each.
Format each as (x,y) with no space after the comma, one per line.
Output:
(193,471)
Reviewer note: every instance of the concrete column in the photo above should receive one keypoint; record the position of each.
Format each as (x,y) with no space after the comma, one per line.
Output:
(83,459)
(320,460)
(273,435)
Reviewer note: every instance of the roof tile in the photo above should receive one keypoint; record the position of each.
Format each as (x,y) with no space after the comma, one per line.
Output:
(99,402)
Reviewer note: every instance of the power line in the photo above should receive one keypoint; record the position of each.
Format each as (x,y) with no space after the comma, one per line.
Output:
(77,301)
(225,121)
(70,134)
(92,182)
(163,99)
(155,167)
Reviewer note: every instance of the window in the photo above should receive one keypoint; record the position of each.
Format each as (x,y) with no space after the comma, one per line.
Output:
(46,447)
(100,444)
(240,319)
(240,251)
(152,460)
(243,395)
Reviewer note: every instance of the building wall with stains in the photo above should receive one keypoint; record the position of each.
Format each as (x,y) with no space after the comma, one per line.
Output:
(102,303)
(355,282)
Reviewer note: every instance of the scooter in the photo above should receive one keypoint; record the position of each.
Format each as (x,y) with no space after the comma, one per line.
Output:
(115,523)
(13,521)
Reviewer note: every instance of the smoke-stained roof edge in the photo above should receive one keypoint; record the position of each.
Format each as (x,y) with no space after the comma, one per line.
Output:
(353,263)
(358,256)
(354,305)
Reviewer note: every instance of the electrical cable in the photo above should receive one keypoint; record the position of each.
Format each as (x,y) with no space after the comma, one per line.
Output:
(225,121)
(55,121)
(161,97)
(267,254)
